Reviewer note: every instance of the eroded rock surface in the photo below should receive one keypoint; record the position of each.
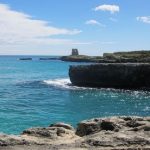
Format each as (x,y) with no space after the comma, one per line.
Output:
(119,75)
(114,133)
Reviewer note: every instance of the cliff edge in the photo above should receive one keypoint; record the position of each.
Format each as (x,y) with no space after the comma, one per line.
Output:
(110,75)
(141,56)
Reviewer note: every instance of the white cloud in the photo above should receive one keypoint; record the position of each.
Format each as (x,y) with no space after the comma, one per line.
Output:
(108,43)
(144,19)
(20,28)
(111,8)
(113,19)
(94,22)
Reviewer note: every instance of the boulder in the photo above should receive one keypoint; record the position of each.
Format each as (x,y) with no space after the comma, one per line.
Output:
(92,126)
(125,137)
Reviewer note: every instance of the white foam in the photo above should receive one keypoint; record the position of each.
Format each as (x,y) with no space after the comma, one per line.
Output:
(64,83)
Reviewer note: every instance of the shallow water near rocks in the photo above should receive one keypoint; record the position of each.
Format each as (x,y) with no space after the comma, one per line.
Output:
(38,93)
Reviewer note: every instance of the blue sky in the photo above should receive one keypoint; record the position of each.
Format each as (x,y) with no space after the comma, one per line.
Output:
(54,27)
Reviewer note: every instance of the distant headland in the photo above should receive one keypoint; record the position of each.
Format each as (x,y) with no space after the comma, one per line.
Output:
(141,56)
(123,70)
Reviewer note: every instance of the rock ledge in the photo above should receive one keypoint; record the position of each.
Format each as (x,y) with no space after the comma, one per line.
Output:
(113,133)
(109,75)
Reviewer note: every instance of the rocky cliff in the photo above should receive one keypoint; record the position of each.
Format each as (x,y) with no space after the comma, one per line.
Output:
(140,56)
(81,58)
(114,133)
(110,75)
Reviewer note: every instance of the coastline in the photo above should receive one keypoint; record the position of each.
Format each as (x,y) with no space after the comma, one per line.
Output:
(141,56)
(75,75)
(124,132)
(111,75)
(111,133)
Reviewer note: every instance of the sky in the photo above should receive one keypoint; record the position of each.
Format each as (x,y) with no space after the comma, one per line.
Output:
(54,27)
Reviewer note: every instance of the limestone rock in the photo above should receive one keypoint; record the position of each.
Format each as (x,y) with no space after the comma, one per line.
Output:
(64,125)
(111,133)
(7,140)
(49,132)
(96,125)
(121,75)
(115,132)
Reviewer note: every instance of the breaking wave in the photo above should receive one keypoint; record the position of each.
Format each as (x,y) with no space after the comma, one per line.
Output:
(63,83)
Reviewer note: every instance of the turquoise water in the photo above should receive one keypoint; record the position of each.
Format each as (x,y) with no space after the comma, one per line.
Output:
(38,93)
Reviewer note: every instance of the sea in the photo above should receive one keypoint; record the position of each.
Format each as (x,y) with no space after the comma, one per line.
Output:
(38,93)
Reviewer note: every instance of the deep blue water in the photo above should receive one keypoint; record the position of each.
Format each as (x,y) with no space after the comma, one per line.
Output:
(38,93)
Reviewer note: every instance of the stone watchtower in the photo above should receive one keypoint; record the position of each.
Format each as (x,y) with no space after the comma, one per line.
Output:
(75,52)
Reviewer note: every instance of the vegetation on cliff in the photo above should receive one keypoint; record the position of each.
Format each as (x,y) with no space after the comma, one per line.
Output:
(116,57)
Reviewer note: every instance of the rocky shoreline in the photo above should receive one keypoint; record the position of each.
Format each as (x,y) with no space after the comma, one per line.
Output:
(110,75)
(112,133)
(140,56)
